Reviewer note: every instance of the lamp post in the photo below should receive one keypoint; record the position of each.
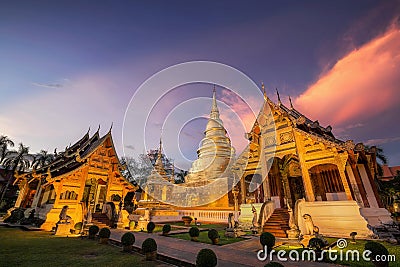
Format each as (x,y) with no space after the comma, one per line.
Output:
(235,192)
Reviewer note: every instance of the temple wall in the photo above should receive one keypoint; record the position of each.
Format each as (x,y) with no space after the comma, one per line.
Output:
(334,218)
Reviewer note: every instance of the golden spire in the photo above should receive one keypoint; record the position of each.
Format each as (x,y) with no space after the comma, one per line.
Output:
(214,102)
(159,166)
(263,89)
(214,115)
(160,150)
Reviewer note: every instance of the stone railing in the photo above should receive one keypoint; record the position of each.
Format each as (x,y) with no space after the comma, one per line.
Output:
(217,216)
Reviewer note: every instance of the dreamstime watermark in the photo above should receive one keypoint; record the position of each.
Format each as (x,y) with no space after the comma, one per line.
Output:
(329,254)
(162,107)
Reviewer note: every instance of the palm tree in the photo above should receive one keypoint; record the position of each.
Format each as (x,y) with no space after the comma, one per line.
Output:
(42,159)
(5,142)
(16,161)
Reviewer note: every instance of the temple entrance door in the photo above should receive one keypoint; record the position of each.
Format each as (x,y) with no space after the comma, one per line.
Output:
(254,189)
(296,188)
(100,198)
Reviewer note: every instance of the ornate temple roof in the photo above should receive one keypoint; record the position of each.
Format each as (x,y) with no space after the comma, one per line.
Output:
(74,156)
(300,121)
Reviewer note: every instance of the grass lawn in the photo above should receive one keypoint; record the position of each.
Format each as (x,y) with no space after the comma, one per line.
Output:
(204,238)
(359,245)
(27,248)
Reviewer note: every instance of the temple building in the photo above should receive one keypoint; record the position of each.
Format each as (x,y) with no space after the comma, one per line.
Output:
(86,177)
(311,172)
(291,165)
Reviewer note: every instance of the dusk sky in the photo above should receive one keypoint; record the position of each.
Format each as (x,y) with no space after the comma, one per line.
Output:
(66,66)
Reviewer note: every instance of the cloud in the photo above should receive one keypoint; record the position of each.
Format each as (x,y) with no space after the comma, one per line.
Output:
(361,85)
(381,141)
(49,85)
(238,118)
(55,118)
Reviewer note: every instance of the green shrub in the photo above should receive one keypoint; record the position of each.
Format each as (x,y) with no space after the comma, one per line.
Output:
(105,233)
(267,239)
(93,230)
(273,264)
(353,236)
(149,245)
(206,258)
(78,226)
(376,249)
(150,227)
(166,229)
(128,239)
(194,231)
(213,234)
(316,243)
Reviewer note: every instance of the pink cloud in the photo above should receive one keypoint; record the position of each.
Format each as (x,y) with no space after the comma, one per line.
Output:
(362,84)
(238,118)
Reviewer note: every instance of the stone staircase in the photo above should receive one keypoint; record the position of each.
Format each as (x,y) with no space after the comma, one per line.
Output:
(101,220)
(278,223)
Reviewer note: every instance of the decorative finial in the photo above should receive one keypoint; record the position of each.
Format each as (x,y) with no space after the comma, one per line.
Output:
(98,129)
(111,127)
(214,108)
(263,88)
(291,105)
(160,146)
(279,98)
(88,131)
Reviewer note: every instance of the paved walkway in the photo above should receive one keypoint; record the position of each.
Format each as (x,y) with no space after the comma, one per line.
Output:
(239,254)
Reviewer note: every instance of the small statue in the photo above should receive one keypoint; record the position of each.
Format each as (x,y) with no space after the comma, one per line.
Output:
(255,220)
(293,232)
(308,223)
(230,221)
(64,218)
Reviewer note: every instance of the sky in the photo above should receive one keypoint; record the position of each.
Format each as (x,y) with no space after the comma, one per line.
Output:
(66,66)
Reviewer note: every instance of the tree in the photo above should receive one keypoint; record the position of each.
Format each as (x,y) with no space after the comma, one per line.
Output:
(381,157)
(180,177)
(42,159)
(5,142)
(16,161)
(138,169)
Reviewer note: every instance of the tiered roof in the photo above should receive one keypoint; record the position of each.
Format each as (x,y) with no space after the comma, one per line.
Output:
(73,157)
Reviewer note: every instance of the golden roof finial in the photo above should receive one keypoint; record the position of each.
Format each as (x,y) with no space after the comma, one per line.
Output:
(290,101)
(263,89)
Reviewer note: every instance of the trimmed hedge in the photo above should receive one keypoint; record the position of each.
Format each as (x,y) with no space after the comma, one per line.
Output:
(267,239)
(150,227)
(128,239)
(206,258)
(213,234)
(149,245)
(166,229)
(105,233)
(194,231)
(93,230)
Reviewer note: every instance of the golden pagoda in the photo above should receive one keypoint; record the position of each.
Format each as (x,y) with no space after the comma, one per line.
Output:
(215,152)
